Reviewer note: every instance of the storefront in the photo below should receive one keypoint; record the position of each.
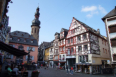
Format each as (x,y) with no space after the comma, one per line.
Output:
(70,61)
(88,68)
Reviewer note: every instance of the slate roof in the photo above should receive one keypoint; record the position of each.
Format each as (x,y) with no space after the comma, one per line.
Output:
(89,28)
(24,38)
(110,14)
(57,33)
(65,32)
(63,29)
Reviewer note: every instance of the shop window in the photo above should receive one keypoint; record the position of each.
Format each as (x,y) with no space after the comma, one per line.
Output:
(79,48)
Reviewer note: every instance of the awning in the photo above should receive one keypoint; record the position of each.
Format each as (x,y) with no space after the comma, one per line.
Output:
(83,63)
(11,49)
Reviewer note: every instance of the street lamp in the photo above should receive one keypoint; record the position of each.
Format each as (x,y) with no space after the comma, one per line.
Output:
(30,49)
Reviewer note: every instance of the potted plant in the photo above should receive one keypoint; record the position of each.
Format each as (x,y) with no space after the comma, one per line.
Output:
(35,73)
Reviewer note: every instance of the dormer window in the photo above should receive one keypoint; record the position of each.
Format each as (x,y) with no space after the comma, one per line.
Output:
(10,38)
(31,41)
(18,39)
(24,40)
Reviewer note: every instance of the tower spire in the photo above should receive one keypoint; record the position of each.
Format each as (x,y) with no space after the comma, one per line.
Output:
(36,25)
(36,21)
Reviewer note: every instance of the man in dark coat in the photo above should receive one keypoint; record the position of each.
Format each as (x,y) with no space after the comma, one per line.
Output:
(67,69)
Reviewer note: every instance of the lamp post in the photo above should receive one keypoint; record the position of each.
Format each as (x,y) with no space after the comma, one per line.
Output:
(30,49)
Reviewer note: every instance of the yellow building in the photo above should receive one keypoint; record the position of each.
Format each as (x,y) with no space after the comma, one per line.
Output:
(46,59)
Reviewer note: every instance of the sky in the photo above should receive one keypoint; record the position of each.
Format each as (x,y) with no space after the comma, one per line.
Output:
(57,14)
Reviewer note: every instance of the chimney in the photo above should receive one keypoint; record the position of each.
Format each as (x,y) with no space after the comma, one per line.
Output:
(98,31)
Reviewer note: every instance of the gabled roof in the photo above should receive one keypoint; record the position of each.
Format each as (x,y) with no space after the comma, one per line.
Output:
(24,38)
(63,29)
(89,28)
(110,14)
(57,33)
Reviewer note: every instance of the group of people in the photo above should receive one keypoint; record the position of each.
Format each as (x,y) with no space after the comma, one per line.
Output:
(15,69)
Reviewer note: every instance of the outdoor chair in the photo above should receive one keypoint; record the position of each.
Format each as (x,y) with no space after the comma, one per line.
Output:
(25,74)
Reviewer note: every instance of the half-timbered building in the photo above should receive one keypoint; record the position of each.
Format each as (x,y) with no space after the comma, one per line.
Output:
(83,47)
(56,48)
(62,54)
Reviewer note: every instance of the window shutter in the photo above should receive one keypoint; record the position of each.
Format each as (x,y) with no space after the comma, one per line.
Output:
(32,57)
(27,48)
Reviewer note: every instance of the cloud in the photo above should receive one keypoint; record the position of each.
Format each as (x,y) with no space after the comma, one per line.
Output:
(93,10)
(88,8)
(102,10)
(91,14)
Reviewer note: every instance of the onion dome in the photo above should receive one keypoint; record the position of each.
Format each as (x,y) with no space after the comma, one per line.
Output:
(36,22)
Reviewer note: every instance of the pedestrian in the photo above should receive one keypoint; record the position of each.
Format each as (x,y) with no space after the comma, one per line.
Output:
(71,70)
(74,67)
(41,65)
(47,66)
(67,69)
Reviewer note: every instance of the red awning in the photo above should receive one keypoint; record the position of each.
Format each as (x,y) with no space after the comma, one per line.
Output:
(11,49)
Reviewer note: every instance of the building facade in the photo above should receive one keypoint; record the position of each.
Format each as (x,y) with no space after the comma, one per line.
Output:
(110,25)
(51,54)
(84,48)
(62,46)
(56,49)
(41,51)
(22,41)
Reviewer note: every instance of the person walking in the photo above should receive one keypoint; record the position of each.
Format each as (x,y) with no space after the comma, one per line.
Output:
(74,67)
(71,70)
(67,69)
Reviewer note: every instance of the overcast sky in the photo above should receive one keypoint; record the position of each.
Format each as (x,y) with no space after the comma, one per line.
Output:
(57,14)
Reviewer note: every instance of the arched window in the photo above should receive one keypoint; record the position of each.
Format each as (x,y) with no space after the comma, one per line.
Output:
(32,30)
(35,30)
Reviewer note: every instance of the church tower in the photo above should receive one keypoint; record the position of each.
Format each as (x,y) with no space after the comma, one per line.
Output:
(36,25)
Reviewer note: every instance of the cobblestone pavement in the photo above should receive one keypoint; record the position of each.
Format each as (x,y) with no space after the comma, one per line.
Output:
(50,72)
